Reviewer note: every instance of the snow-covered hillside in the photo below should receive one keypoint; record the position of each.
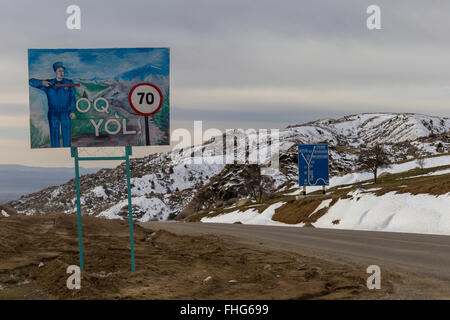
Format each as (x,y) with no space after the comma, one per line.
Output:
(372,128)
(167,184)
(364,209)
(422,213)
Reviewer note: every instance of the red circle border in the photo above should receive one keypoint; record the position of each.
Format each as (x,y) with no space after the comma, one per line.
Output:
(134,108)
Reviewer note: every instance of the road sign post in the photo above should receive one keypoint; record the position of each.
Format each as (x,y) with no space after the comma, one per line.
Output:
(147,131)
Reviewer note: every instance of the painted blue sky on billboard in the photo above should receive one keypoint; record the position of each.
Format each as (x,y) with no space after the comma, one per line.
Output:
(103,75)
(109,63)
(313,165)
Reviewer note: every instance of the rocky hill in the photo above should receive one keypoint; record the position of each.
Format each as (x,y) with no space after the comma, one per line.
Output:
(167,184)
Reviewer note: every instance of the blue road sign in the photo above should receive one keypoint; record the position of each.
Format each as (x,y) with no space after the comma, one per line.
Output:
(313,165)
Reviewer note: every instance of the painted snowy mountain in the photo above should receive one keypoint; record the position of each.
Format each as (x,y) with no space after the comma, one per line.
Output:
(170,185)
(144,70)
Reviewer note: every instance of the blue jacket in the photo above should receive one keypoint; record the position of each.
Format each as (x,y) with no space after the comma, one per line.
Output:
(59,98)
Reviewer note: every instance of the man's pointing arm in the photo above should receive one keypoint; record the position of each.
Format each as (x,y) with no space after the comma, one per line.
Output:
(40,84)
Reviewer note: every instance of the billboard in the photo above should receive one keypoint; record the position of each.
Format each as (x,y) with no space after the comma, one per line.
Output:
(98,97)
(313,165)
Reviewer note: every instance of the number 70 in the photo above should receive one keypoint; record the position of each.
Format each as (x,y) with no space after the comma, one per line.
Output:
(147,95)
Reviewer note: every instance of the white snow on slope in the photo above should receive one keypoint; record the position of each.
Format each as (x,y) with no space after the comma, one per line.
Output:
(55,193)
(4,213)
(250,216)
(184,176)
(383,127)
(422,213)
(99,192)
(323,204)
(153,207)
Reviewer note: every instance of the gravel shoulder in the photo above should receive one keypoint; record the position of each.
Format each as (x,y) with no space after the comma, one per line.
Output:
(35,252)
(417,266)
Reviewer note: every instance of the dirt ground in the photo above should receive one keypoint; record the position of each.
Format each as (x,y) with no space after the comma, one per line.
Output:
(35,252)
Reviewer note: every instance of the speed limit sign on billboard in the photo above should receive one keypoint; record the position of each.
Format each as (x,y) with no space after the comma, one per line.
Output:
(146,99)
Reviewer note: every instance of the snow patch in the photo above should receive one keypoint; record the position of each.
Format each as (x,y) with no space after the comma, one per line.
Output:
(55,193)
(422,213)
(99,192)
(153,207)
(323,204)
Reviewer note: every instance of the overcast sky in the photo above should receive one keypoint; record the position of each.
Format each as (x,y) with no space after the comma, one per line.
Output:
(258,63)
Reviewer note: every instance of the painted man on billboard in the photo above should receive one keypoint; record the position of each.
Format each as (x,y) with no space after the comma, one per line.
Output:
(61,104)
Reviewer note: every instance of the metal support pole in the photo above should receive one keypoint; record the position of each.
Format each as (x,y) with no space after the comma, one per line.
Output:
(74,153)
(304,190)
(147,131)
(323,190)
(128,152)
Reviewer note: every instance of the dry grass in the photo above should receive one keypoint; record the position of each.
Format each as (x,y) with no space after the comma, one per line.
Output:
(296,211)
(412,182)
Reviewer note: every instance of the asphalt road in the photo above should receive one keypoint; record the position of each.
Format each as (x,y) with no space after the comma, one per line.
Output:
(418,253)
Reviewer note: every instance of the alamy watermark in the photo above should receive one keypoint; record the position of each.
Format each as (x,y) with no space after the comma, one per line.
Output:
(73,21)
(235,146)
(373,22)
(374,281)
(74,281)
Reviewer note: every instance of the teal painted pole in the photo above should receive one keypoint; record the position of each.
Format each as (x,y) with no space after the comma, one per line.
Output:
(128,152)
(74,153)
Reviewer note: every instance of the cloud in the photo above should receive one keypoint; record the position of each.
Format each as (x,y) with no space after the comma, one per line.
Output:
(14,122)
(236,62)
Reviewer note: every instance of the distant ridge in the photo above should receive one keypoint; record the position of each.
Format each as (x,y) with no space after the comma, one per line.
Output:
(17,180)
